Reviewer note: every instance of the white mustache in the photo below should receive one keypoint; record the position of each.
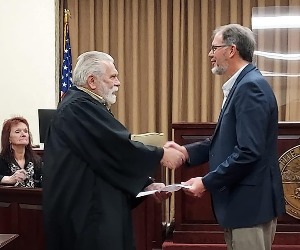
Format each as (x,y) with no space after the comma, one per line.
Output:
(114,89)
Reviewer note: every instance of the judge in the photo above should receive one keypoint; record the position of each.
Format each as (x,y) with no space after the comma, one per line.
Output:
(93,170)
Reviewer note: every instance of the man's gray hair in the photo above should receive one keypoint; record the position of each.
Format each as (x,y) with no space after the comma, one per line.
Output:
(89,63)
(240,36)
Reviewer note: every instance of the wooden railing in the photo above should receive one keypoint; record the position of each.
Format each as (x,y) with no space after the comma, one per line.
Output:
(21,213)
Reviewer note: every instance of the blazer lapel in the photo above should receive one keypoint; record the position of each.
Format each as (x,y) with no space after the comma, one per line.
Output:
(248,68)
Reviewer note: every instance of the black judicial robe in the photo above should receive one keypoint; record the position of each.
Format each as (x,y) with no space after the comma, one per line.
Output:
(92,173)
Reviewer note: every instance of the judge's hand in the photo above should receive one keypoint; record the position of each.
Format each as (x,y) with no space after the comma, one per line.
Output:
(172,158)
(158,196)
(197,188)
(182,149)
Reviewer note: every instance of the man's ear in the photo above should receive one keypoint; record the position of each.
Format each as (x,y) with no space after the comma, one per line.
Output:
(233,50)
(91,82)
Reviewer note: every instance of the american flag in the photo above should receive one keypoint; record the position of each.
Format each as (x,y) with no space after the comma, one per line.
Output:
(66,71)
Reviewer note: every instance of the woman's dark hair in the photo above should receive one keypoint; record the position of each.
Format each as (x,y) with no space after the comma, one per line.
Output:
(6,150)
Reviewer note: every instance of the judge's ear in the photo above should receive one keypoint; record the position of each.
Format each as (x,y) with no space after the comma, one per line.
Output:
(91,82)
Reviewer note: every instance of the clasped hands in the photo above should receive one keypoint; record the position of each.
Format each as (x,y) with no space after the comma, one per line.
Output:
(19,176)
(174,155)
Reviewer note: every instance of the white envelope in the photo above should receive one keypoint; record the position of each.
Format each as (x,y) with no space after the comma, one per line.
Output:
(168,188)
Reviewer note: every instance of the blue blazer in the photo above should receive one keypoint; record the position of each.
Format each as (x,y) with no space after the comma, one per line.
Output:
(244,179)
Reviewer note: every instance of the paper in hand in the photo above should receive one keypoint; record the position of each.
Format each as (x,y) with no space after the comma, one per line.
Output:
(168,188)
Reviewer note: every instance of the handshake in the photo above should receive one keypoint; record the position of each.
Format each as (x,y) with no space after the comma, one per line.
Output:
(174,155)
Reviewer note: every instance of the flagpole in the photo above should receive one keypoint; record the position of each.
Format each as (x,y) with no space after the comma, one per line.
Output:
(66,71)
(67,14)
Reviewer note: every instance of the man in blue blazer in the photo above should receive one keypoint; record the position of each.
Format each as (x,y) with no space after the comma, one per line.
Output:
(244,176)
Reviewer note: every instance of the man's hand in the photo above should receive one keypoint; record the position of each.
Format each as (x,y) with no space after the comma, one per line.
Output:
(158,196)
(172,158)
(182,149)
(197,188)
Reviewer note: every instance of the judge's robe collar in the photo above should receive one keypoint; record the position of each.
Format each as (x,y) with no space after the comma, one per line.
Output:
(96,97)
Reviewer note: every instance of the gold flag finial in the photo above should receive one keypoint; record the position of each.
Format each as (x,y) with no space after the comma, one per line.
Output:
(67,15)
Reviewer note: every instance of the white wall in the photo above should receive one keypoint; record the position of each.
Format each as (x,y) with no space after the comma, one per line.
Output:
(27,64)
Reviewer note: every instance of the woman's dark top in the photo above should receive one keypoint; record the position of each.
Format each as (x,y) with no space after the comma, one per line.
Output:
(34,172)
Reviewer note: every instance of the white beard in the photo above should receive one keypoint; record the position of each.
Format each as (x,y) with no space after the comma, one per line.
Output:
(109,95)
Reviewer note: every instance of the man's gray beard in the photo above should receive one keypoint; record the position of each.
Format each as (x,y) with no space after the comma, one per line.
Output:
(217,70)
(110,99)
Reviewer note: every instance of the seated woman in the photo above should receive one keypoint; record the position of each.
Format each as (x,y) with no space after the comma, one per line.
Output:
(19,165)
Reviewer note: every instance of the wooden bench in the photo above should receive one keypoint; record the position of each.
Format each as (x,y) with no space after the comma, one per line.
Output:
(6,239)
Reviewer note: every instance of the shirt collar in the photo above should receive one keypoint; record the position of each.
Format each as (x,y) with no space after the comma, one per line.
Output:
(95,96)
(228,85)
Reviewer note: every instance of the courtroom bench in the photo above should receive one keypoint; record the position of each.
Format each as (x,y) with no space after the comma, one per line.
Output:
(21,213)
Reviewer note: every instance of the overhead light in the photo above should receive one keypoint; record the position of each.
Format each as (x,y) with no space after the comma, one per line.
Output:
(275,22)
(268,73)
(279,56)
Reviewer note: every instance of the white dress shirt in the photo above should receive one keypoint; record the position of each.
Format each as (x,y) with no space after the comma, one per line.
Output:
(228,85)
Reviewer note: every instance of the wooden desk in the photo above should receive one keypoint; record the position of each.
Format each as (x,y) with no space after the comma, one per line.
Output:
(7,238)
(194,219)
(21,213)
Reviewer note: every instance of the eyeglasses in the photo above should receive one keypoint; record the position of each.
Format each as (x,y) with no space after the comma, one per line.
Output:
(213,48)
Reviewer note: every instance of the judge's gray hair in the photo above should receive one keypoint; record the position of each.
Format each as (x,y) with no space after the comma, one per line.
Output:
(89,63)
